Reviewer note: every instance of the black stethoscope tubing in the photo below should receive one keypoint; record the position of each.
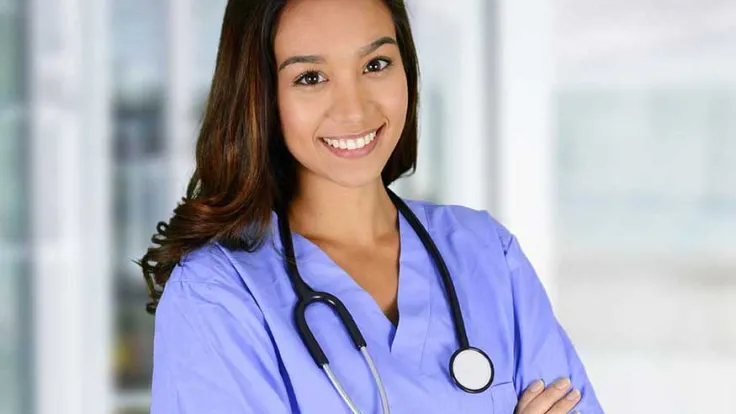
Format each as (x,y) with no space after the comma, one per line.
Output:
(306,295)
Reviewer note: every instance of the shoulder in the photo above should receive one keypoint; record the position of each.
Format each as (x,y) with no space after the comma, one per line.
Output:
(211,274)
(478,224)
(217,275)
(210,264)
(206,289)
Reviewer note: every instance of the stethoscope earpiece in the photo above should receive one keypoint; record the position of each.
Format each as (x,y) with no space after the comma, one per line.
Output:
(471,369)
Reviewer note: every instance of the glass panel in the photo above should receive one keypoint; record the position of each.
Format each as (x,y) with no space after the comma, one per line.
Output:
(140,50)
(15,385)
(208,21)
(654,163)
(139,53)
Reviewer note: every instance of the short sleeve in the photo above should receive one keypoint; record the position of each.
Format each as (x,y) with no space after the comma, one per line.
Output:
(212,350)
(542,348)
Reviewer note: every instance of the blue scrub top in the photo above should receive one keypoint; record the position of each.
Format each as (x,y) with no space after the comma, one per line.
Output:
(225,340)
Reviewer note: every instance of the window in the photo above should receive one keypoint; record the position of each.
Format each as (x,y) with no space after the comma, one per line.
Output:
(646,197)
(139,53)
(146,148)
(14,287)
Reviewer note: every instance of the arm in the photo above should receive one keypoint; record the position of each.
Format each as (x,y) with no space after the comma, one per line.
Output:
(212,350)
(542,348)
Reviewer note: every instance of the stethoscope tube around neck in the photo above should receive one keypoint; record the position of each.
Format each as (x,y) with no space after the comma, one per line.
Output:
(305,293)
(440,265)
(470,368)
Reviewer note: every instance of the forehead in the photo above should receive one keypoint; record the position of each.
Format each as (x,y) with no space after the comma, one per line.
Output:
(325,27)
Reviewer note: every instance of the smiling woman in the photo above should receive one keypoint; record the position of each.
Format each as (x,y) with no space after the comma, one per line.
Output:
(350,99)
(354,91)
(312,114)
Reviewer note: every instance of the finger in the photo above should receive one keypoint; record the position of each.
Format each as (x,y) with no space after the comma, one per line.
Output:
(564,405)
(544,401)
(534,389)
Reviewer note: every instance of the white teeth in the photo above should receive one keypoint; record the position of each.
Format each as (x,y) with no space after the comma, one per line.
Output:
(351,144)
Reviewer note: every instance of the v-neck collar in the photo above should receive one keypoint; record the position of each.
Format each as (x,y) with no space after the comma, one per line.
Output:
(405,340)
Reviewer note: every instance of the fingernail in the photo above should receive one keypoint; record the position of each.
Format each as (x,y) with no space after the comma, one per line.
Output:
(573,395)
(562,384)
(537,386)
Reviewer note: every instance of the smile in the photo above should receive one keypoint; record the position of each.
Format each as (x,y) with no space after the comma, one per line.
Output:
(351,143)
(355,146)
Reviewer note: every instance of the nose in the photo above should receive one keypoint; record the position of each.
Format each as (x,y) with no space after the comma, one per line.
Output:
(350,102)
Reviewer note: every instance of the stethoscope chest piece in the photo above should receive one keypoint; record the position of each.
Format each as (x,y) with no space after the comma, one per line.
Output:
(471,369)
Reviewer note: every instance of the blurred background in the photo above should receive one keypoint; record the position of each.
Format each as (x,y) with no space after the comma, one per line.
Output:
(601,132)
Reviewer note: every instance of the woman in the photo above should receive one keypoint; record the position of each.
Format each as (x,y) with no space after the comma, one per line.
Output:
(311,115)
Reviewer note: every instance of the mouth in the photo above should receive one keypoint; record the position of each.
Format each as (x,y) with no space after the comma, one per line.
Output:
(353,146)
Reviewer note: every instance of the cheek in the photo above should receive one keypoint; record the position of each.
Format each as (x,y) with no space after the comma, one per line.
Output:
(298,121)
(395,104)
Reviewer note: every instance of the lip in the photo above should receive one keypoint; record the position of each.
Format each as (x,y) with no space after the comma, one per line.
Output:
(356,153)
(353,136)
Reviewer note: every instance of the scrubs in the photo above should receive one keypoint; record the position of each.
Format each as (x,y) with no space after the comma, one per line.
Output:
(225,340)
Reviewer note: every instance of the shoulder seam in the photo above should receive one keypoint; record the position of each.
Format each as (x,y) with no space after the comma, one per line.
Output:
(228,266)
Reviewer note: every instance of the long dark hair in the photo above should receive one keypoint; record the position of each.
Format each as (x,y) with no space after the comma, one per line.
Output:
(243,169)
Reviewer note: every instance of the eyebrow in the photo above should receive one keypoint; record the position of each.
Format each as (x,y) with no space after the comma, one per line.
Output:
(363,51)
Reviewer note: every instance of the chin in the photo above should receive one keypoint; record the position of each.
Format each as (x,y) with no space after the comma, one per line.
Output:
(355,179)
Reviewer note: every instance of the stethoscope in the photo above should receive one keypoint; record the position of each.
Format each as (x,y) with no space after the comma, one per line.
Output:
(470,368)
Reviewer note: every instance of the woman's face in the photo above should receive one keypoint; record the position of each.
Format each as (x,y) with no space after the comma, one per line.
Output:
(342,90)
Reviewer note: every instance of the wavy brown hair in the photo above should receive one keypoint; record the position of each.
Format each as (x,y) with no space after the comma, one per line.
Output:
(243,168)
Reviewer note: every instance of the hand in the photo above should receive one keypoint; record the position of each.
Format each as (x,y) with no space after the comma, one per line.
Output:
(554,400)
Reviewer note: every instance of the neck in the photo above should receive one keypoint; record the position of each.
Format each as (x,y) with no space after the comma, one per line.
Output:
(326,211)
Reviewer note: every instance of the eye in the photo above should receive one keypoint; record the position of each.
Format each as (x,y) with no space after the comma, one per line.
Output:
(377,65)
(310,78)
